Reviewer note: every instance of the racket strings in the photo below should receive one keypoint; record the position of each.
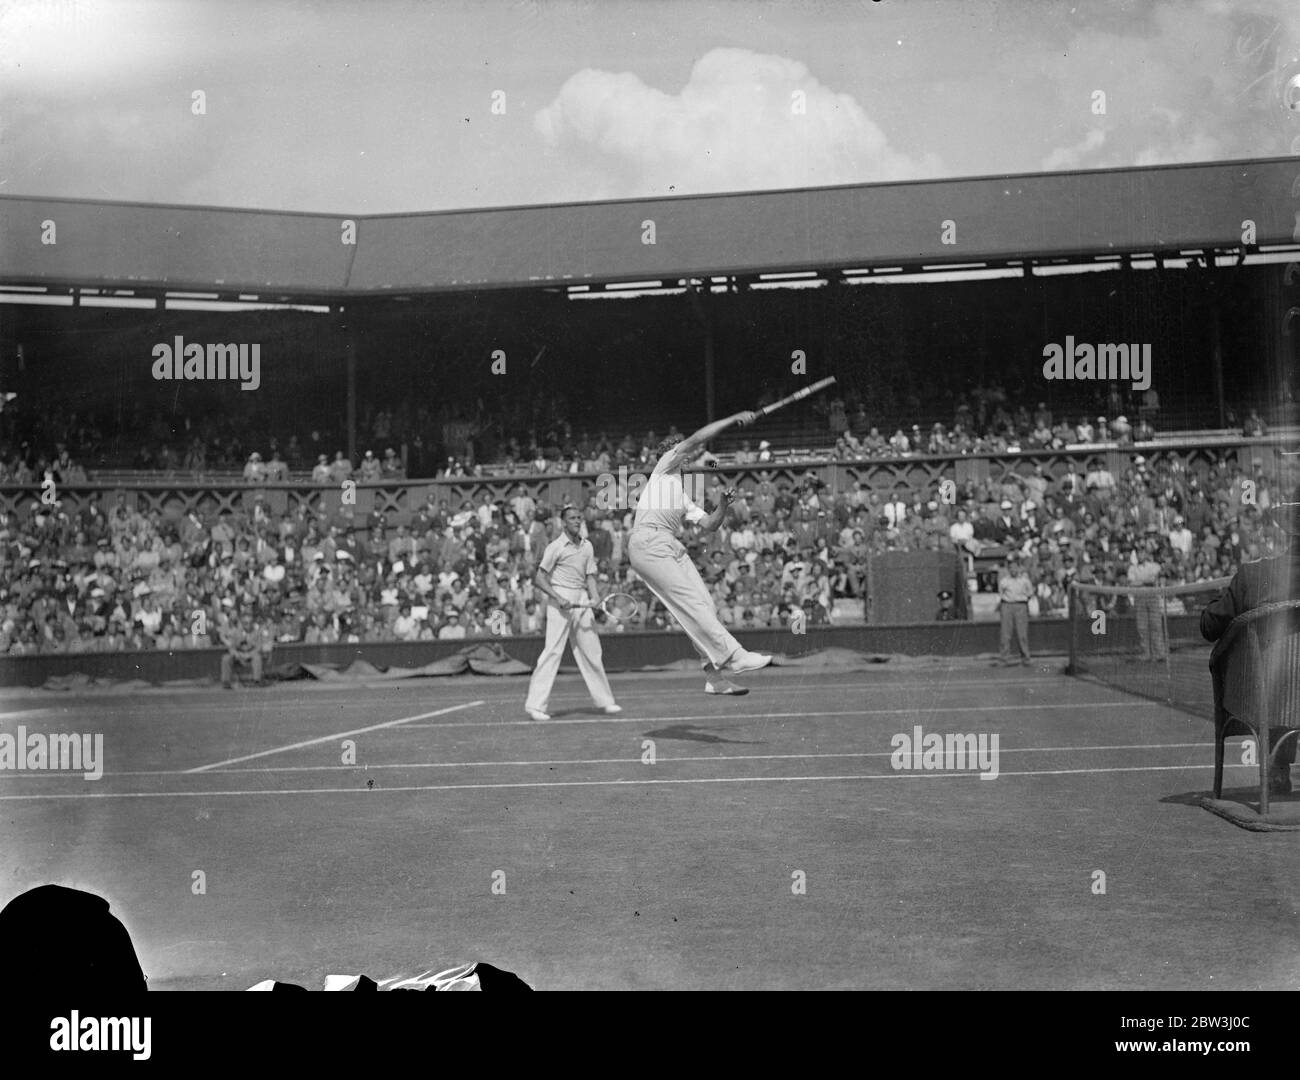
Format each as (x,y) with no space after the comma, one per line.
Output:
(621,606)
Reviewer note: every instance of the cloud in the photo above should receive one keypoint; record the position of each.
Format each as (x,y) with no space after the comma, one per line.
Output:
(145,147)
(57,46)
(1194,81)
(1071,157)
(743,121)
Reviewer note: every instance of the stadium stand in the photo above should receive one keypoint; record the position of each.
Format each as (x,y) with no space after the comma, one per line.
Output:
(139,561)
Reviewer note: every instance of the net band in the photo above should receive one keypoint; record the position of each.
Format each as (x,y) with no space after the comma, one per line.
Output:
(1195,588)
(1145,641)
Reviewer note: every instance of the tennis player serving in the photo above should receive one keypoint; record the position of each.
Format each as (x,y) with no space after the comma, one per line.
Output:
(663,563)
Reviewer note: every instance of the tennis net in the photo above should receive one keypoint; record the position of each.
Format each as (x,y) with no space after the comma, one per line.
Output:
(1145,641)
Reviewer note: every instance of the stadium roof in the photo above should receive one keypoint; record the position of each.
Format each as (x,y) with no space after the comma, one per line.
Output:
(149,249)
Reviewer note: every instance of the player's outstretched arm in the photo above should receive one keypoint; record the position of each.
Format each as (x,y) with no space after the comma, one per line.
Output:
(696,442)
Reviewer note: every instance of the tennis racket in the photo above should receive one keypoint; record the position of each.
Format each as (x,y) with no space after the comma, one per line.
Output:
(619,607)
(798,395)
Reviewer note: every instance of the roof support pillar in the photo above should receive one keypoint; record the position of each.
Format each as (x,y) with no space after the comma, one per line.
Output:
(347,332)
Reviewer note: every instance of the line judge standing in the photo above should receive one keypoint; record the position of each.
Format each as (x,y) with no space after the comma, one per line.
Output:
(565,575)
(1014,590)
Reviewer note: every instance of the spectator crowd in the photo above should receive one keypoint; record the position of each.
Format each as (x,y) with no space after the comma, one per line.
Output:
(419,442)
(98,578)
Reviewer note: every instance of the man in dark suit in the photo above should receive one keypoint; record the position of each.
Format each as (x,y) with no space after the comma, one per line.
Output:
(1006,529)
(1255,584)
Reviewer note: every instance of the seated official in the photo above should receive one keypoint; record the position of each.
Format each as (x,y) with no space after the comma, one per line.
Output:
(245,645)
(1267,581)
(947,607)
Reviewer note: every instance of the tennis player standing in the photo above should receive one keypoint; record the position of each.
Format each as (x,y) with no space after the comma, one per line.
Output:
(665,566)
(567,574)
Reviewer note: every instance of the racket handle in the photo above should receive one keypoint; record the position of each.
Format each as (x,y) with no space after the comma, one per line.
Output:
(798,395)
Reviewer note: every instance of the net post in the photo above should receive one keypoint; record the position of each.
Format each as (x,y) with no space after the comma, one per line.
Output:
(1164,635)
(1071,620)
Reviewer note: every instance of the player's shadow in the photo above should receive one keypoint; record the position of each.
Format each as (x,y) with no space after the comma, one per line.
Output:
(691,733)
(1192,798)
(1244,795)
(579,710)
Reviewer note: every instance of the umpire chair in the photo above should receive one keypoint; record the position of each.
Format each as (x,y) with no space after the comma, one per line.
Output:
(1255,668)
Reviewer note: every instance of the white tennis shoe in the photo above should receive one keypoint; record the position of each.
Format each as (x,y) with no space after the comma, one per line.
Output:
(612,709)
(537,714)
(744,660)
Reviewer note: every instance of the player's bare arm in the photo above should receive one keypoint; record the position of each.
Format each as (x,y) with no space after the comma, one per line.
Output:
(695,442)
(542,580)
(714,519)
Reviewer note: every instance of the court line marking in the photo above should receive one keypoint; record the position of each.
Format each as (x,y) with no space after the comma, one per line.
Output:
(242,705)
(410,722)
(330,738)
(662,759)
(900,775)
(913,711)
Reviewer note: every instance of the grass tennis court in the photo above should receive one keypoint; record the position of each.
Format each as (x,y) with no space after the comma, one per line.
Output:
(677,874)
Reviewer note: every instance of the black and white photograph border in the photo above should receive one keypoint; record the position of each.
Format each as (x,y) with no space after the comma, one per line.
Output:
(659,495)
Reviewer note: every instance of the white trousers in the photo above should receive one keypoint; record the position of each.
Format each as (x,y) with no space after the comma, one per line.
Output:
(666,568)
(580,622)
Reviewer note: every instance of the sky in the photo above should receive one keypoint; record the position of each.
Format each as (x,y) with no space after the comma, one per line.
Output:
(374,106)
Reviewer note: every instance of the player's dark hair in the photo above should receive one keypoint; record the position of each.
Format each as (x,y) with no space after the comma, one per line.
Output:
(668,443)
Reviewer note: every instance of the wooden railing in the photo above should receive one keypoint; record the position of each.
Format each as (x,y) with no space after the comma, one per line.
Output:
(176,495)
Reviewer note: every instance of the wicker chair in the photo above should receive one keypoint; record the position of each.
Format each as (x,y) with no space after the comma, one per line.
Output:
(1255,668)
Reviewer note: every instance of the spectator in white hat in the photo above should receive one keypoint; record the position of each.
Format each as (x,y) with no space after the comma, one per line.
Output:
(1030,523)
(1006,529)
(1180,536)
(371,470)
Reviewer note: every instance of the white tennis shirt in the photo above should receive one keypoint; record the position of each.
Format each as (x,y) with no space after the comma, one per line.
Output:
(568,563)
(663,502)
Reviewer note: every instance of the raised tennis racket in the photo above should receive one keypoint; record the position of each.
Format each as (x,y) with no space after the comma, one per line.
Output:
(798,395)
(619,607)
